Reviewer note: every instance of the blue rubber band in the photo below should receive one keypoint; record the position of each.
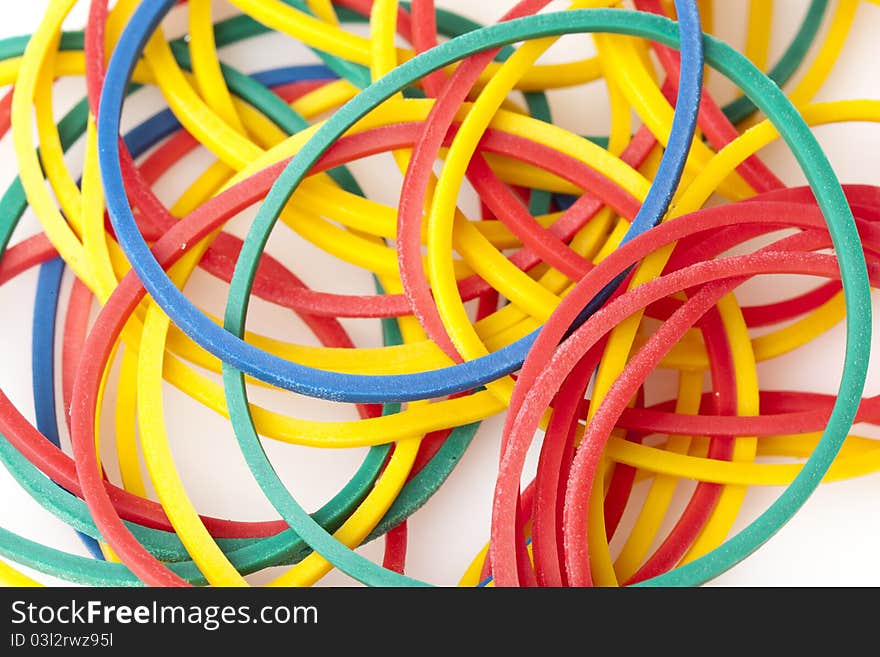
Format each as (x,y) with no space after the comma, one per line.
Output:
(43,363)
(252,360)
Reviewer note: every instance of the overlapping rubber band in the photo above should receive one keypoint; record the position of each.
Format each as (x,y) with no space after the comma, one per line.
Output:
(596,299)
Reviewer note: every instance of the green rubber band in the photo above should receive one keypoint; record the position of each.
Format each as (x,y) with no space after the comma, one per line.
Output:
(767,97)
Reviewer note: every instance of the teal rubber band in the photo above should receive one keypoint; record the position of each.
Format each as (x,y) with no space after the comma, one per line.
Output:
(767,97)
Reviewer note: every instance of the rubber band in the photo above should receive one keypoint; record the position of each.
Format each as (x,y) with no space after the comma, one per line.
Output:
(533,264)
(43,345)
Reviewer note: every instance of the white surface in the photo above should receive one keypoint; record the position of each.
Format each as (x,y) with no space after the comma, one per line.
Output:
(835,538)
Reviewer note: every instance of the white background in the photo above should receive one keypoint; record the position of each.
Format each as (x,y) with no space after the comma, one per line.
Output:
(835,538)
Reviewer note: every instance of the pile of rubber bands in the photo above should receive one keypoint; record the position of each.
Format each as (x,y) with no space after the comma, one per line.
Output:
(595,263)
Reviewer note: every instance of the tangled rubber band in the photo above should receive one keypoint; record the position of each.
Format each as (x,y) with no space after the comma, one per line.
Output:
(595,265)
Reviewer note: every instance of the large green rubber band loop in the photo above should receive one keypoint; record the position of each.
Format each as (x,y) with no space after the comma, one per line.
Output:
(767,97)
